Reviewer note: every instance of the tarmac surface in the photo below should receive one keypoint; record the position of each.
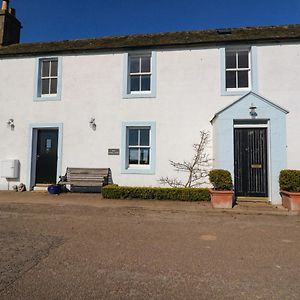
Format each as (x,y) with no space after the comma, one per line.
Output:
(80,246)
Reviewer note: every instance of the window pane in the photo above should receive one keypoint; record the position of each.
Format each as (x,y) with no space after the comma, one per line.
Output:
(230,60)
(144,159)
(54,64)
(45,68)
(230,79)
(144,137)
(243,79)
(243,58)
(53,86)
(134,64)
(45,86)
(134,83)
(133,137)
(145,64)
(145,84)
(133,156)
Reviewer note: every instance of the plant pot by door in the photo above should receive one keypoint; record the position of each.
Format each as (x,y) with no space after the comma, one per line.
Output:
(290,200)
(221,199)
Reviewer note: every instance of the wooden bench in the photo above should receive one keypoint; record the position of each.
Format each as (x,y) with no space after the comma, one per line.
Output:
(85,177)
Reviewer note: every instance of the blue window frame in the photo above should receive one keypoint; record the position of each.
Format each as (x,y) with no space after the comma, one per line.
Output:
(139,75)
(138,147)
(48,79)
(238,70)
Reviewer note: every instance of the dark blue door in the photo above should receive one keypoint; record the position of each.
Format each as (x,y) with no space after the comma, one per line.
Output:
(250,162)
(46,158)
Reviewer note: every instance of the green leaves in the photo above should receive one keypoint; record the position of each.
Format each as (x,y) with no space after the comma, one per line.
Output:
(182,194)
(220,179)
(289,180)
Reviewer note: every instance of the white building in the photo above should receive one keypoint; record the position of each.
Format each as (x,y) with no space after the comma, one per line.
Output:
(149,96)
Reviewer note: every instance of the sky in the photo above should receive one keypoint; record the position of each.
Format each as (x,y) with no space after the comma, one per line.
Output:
(50,20)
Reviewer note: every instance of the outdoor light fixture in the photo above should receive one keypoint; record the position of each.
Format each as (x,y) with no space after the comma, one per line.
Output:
(10,124)
(93,124)
(253,112)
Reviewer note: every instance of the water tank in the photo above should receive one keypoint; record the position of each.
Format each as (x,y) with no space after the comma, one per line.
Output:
(9,168)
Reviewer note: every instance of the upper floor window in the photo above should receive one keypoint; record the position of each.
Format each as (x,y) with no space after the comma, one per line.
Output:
(237,69)
(49,75)
(48,79)
(140,73)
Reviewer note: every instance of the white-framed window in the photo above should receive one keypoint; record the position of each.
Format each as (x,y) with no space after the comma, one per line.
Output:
(48,76)
(138,153)
(138,146)
(237,69)
(140,75)
(139,80)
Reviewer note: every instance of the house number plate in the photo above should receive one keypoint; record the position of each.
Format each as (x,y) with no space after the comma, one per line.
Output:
(256,166)
(113,151)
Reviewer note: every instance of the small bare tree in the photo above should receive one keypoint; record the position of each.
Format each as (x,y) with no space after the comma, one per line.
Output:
(196,169)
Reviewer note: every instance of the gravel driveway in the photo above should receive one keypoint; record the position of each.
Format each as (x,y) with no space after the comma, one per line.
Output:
(84,247)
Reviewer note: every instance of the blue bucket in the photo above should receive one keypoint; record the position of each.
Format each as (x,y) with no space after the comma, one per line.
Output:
(54,189)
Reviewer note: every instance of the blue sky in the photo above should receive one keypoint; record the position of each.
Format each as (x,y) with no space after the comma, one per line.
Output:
(45,20)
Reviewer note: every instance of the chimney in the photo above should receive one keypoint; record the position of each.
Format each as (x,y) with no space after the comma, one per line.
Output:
(10,26)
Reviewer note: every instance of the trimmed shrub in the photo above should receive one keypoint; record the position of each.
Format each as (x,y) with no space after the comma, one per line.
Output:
(114,191)
(220,179)
(289,180)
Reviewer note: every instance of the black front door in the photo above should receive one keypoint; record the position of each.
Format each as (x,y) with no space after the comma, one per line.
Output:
(46,156)
(250,162)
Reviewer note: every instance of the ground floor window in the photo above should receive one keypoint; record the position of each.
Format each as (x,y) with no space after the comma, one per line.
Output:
(139,146)
(138,153)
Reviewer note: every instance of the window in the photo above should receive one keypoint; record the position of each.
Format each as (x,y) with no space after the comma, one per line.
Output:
(138,147)
(49,76)
(237,69)
(140,73)
(48,79)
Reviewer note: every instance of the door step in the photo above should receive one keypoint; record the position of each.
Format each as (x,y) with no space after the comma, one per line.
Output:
(40,188)
(252,200)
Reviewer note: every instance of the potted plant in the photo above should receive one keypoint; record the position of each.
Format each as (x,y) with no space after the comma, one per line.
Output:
(222,194)
(289,182)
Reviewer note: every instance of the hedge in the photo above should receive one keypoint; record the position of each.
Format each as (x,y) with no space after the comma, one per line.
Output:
(114,191)
(220,179)
(289,180)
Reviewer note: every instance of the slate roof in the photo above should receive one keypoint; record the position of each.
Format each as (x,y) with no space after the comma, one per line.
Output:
(159,40)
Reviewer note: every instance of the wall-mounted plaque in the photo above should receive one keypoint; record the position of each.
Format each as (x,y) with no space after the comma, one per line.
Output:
(113,151)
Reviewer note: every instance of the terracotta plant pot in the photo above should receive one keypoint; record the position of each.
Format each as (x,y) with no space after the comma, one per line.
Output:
(290,200)
(221,199)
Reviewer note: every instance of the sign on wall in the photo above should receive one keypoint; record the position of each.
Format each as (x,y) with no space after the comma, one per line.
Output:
(113,151)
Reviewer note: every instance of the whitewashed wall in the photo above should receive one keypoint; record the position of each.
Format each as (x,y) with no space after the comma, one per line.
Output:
(188,95)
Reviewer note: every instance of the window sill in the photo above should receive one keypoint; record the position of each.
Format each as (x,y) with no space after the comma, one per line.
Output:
(139,95)
(132,170)
(237,92)
(47,98)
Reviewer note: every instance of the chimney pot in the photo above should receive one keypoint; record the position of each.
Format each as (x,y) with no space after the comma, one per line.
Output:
(12,11)
(5,4)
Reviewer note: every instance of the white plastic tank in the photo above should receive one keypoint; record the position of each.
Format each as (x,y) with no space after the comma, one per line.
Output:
(9,168)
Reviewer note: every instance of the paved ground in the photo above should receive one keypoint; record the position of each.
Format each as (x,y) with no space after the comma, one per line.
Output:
(84,247)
